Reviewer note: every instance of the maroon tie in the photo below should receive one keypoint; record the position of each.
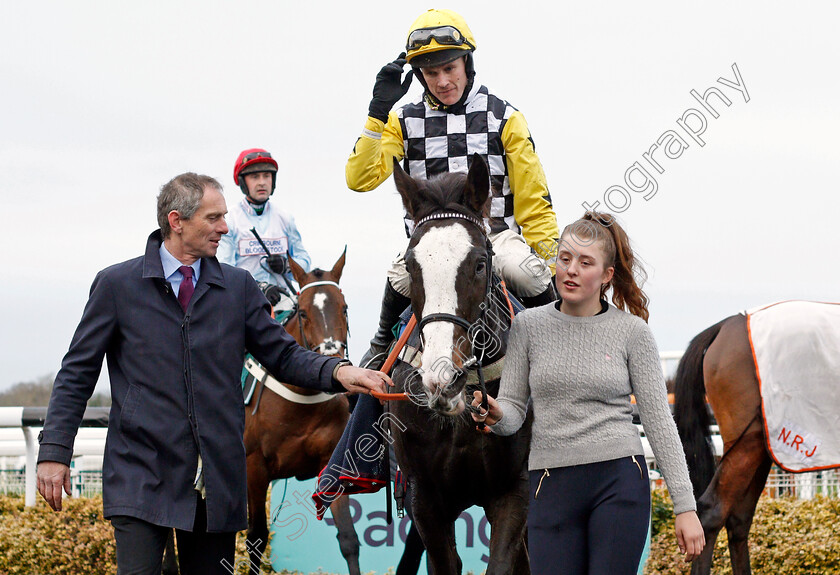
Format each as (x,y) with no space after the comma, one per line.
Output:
(186,290)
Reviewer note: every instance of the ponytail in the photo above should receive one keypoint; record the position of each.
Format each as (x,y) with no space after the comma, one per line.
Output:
(629,274)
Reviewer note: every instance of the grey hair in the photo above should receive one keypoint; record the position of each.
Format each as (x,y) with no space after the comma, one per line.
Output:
(182,194)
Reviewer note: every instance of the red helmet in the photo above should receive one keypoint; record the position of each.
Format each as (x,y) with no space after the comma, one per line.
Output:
(251,161)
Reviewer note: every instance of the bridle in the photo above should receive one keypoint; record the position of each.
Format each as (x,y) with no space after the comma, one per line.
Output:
(452,318)
(322,347)
(473,362)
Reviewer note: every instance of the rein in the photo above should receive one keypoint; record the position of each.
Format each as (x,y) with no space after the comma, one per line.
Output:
(392,358)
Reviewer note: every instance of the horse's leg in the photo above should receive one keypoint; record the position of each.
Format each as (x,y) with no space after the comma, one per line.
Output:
(732,391)
(702,565)
(740,519)
(508,518)
(412,554)
(257,538)
(732,484)
(710,512)
(348,540)
(437,532)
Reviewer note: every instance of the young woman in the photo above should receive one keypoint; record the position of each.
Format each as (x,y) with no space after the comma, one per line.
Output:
(578,360)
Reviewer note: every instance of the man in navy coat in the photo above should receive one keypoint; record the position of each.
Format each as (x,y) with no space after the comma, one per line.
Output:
(174,456)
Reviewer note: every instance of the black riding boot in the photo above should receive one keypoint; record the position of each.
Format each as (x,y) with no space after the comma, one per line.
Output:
(546,297)
(393,304)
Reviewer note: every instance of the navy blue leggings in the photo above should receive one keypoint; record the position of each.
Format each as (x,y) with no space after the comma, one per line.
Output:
(589,519)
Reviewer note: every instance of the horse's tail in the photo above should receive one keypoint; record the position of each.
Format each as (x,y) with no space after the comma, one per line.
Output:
(690,412)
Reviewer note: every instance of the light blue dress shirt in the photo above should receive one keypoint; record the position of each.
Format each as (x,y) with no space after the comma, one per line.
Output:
(171,272)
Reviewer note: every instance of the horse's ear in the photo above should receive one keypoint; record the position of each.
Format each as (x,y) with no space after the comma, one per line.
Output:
(407,188)
(478,184)
(297,271)
(339,265)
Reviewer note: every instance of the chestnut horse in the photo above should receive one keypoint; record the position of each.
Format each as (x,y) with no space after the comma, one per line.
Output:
(719,364)
(451,466)
(294,435)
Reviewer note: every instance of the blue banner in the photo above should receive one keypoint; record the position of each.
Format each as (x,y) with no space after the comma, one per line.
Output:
(300,542)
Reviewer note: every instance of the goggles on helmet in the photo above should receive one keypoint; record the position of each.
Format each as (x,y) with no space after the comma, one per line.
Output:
(443,35)
(254,156)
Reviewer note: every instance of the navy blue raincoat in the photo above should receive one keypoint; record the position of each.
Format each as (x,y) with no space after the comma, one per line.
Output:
(175,387)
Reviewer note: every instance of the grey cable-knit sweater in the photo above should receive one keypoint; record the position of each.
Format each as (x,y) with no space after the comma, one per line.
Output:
(579,373)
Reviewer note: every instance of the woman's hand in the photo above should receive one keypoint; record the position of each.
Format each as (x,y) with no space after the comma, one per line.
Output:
(690,536)
(492,416)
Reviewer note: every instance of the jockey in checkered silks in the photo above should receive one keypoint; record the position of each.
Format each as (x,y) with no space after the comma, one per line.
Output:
(456,118)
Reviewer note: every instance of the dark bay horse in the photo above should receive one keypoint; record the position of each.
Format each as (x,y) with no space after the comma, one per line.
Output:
(292,432)
(719,364)
(451,466)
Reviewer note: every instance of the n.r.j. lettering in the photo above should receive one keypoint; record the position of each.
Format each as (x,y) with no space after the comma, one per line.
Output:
(784,437)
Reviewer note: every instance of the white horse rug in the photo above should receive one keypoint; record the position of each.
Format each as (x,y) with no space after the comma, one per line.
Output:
(796,348)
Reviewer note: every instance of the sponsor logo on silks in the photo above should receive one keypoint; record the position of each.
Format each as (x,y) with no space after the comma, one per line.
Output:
(795,441)
(251,247)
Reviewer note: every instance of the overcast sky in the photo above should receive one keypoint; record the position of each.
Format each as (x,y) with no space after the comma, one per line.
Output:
(103,102)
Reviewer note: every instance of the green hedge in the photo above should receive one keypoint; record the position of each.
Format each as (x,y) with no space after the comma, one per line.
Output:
(788,537)
(37,541)
(76,541)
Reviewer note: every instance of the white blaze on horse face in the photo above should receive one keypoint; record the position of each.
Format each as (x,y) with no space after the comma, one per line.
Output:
(319,300)
(440,252)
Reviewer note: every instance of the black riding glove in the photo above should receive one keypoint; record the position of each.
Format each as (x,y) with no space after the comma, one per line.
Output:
(277,263)
(272,292)
(388,90)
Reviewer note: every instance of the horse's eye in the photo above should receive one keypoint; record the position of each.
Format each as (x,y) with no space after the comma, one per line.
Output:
(302,314)
(480,267)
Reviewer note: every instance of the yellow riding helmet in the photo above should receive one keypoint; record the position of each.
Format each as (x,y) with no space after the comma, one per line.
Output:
(437,37)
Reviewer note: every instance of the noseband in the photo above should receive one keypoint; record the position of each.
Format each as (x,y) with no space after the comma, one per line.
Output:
(322,347)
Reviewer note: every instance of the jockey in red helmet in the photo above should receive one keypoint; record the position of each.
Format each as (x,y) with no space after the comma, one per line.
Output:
(255,172)
(254,161)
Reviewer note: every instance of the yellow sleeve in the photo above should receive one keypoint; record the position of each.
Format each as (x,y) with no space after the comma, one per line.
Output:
(531,202)
(372,160)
